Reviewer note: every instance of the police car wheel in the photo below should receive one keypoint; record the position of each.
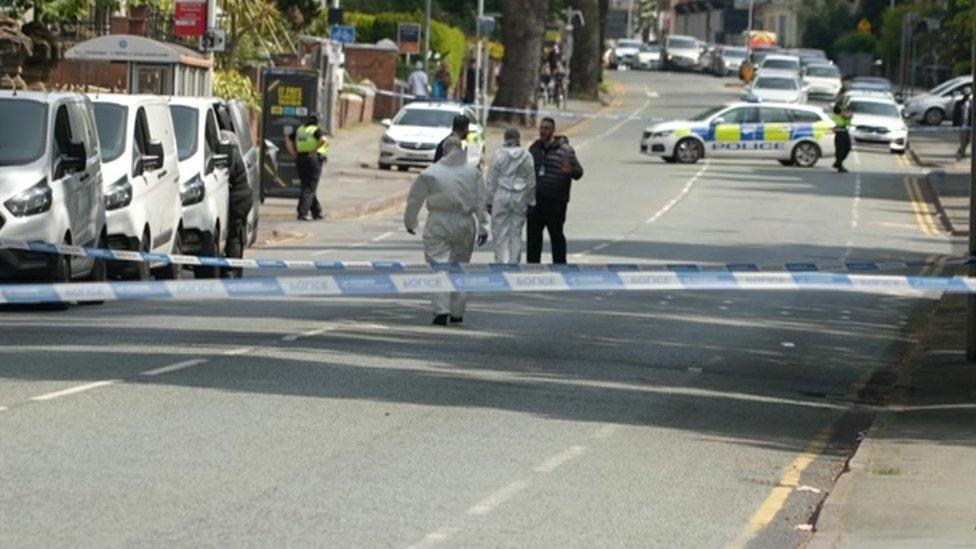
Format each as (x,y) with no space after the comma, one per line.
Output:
(689,151)
(787,162)
(669,159)
(806,155)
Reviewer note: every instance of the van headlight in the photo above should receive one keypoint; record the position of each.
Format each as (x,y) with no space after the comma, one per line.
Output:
(193,191)
(37,199)
(118,195)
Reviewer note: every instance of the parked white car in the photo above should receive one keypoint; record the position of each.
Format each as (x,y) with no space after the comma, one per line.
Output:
(624,52)
(204,187)
(878,120)
(412,136)
(935,106)
(142,176)
(822,80)
(50,185)
(681,52)
(776,86)
(648,58)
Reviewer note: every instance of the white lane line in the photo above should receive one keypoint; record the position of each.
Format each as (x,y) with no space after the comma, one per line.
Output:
(383,236)
(559,459)
(788,344)
(855,218)
(499,497)
(310,333)
(331,250)
(694,370)
(626,121)
(3,408)
(240,351)
(651,93)
(174,367)
(75,390)
(435,537)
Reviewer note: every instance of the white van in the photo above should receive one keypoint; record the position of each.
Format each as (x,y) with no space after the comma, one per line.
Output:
(142,193)
(203,179)
(232,116)
(50,185)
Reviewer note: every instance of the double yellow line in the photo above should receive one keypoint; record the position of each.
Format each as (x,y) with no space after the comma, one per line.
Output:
(923,215)
(904,160)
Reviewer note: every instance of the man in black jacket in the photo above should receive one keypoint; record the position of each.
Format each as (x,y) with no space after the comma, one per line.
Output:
(460,128)
(241,202)
(556,166)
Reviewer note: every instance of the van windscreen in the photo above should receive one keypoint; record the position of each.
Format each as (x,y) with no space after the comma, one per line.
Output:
(110,121)
(185,128)
(23,127)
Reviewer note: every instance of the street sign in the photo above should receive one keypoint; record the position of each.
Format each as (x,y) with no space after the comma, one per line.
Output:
(408,37)
(343,34)
(190,18)
(864,26)
(214,40)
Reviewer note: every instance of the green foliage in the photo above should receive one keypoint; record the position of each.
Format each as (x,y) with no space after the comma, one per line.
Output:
(235,85)
(825,22)
(856,42)
(450,42)
(889,45)
(308,9)
(958,24)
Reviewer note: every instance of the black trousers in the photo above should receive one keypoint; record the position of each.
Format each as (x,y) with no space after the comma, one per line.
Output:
(548,215)
(236,235)
(309,172)
(842,146)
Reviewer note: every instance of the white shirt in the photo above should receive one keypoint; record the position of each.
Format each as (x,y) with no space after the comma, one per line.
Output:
(418,83)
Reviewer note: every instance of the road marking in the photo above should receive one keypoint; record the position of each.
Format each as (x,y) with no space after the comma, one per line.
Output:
(174,367)
(383,236)
(559,459)
(694,370)
(616,127)
(3,408)
(651,93)
(788,344)
(435,537)
(499,497)
(788,481)
(310,333)
(920,207)
(75,390)
(331,250)
(240,351)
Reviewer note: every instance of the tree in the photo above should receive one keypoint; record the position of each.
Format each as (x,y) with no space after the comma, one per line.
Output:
(300,12)
(958,24)
(825,23)
(523,27)
(586,64)
(257,20)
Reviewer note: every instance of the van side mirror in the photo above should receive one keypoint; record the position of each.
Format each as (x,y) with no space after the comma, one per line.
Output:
(75,159)
(154,157)
(386,122)
(222,158)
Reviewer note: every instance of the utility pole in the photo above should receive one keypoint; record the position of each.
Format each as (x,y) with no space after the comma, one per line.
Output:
(971,298)
(426,34)
(479,92)
(630,18)
(752,10)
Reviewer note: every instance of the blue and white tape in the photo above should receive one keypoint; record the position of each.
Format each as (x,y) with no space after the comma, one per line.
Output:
(398,266)
(353,285)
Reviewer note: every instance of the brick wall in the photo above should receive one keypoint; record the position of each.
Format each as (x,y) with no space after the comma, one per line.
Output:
(377,64)
(70,72)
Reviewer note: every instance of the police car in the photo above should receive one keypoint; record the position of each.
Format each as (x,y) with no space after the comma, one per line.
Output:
(795,135)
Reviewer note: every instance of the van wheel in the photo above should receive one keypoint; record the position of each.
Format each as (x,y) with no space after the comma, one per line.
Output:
(99,271)
(403,168)
(806,154)
(209,249)
(385,166)
(172,271)
(689,151)
(934,116)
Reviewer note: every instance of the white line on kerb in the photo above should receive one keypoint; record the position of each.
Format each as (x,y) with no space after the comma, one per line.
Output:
(74,390)
(174,367)
(559,459)
(499,497)
(435,537)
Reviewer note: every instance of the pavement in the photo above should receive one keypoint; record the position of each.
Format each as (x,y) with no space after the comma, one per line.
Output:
(911,482)
(596,419)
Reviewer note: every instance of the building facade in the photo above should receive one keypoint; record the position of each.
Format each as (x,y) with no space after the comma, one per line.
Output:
(717,21)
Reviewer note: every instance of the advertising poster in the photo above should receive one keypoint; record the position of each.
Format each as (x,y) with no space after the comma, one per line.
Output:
(290,95)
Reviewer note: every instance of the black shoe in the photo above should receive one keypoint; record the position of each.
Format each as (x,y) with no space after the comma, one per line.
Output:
(841,169)
(441,320)
(318,217)
(304,218)
(457,319)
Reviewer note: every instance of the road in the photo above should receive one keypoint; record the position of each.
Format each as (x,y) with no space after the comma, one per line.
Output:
(694,419)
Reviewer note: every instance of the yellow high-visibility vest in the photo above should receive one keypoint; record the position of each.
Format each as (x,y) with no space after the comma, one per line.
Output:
(305,141)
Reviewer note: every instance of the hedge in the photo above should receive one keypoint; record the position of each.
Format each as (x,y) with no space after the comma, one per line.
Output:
(856,42)
(449,41)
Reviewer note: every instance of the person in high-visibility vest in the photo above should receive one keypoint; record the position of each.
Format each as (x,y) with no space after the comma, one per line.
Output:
(310,147)
(842,135)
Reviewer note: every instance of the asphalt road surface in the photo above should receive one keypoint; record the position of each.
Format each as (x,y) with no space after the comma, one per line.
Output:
(695,419)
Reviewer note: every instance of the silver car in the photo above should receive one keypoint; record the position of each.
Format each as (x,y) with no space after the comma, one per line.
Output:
(935,106)
(50,184)
(727,60)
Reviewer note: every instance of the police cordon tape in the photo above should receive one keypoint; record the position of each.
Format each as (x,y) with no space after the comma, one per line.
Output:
(353,285)
(588,115)
(398,266)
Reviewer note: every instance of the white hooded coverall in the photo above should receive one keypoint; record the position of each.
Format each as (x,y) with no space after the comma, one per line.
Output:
(511,184)
(456,198)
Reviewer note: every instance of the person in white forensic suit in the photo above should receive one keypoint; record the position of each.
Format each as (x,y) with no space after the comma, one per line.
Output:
(456,217)
(511,187)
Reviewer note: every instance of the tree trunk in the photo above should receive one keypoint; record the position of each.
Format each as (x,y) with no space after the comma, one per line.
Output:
(523,27)
(587,61)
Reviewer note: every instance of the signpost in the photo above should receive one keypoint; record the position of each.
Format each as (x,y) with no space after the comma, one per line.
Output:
(408,37)
(190,18)
(343,34)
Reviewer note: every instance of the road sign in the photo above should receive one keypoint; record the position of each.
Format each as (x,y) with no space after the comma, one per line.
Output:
(344,34)
(214,40)
(408,37)
(190,18)
(864,26)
